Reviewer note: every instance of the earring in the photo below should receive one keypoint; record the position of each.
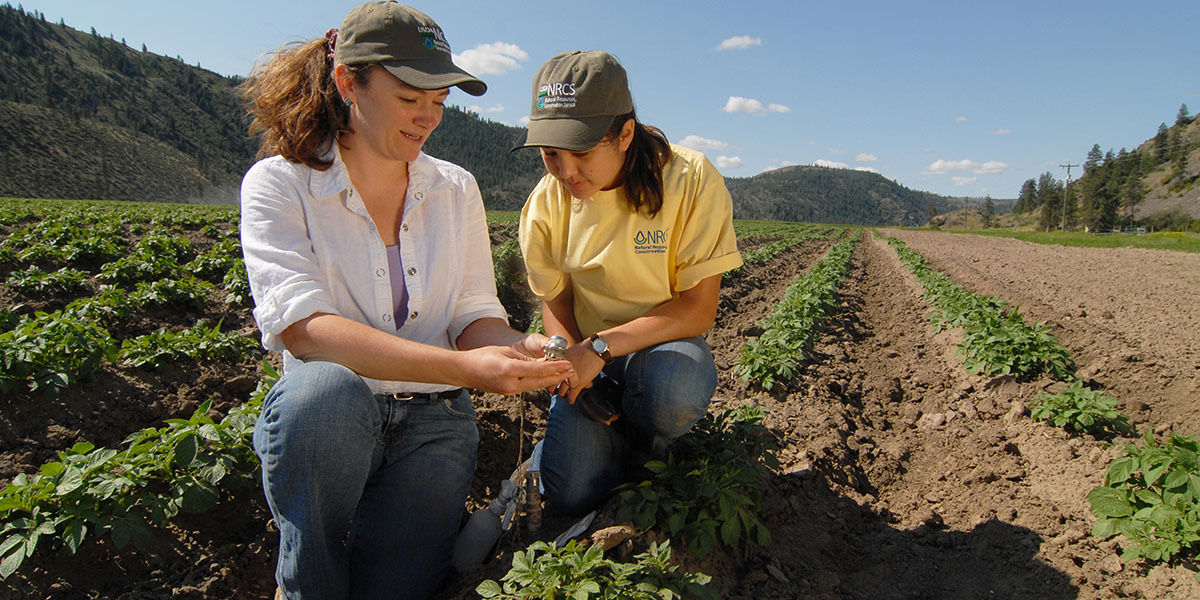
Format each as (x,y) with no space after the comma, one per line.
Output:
(349,102)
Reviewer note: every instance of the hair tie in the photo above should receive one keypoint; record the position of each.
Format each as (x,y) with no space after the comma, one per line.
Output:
(330,42)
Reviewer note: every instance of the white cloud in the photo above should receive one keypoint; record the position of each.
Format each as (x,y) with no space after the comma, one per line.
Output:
(943,167)
(960,119)
(865,158)
(1002,132)
(750,106)
(479,110)
(523,121)
(740,42)
(830,164)
(699,143)
(991,167)
(963,180)
(738,104)
(729,162)
(491,59)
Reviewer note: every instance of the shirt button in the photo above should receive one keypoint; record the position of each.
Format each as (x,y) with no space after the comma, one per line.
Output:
(404,227)
(412,315)
(387,318)
(412,270)
(379,272)
(417,195)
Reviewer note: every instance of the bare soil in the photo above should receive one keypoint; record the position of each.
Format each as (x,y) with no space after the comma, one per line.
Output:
(902,475)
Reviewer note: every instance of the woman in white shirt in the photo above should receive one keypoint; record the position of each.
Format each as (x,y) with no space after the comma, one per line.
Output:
(371,271)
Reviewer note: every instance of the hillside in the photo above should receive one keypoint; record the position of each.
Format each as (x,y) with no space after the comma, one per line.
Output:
(1168,188)
(824,195)
(87,116)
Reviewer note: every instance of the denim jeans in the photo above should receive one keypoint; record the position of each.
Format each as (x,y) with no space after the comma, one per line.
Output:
(666,390)
(368,490)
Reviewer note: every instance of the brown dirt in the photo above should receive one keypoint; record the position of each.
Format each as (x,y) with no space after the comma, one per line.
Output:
(902,475)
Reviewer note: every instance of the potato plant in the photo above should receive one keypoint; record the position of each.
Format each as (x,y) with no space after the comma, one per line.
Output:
(709,488)
(1151,497)
(543,571)
(1080,409)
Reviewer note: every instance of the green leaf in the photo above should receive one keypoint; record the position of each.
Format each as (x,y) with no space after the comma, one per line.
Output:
(731,530)
(11,563)
(73,535)
(1108,502)
(488,589)
(185,452)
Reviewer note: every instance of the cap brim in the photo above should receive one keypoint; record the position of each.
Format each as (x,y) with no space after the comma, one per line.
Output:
(435,75)
(568,134)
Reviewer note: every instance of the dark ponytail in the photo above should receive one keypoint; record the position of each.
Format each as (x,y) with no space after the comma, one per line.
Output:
(642,173)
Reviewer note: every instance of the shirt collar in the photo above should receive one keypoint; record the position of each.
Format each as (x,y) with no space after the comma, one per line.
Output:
(335,180)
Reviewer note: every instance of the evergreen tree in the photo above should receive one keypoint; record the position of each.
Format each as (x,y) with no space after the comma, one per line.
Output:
(1094,158)
(1160,144)
(1182,118)
(989,212)
(1070,210)
(1049,197)
(1027,199)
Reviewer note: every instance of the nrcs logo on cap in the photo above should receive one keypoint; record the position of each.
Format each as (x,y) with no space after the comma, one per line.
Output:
(433,38)
(556,95)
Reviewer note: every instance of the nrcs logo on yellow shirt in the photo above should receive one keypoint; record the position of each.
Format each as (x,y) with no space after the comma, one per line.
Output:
(650,241)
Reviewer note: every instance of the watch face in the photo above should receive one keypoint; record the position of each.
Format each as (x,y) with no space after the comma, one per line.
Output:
(599,345)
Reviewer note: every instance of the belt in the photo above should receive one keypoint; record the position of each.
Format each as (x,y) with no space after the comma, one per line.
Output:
(427,396)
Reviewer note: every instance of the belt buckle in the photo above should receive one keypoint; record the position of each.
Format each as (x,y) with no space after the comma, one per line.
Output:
(405,396)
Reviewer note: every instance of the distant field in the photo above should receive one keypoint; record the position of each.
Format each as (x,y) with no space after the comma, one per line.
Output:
(1167,240)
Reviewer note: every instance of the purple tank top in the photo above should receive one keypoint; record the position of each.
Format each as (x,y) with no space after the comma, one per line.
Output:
(399,290)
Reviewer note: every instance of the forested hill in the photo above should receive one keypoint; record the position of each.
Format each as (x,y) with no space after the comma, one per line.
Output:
(825,195)
(86,116)
(83,116)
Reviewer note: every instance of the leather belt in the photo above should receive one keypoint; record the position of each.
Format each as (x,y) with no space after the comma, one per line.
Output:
(427,396)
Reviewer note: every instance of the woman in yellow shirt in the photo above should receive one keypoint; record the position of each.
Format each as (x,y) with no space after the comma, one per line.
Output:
(625,240)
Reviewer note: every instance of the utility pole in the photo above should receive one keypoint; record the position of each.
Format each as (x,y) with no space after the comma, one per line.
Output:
(1066,194)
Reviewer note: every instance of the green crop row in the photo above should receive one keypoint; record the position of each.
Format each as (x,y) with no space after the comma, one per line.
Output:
(790,331)
(97,492)
(996,340)
(49,352)
(1151,496)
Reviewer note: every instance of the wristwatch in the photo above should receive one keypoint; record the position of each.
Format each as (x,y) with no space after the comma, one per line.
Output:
(600,347)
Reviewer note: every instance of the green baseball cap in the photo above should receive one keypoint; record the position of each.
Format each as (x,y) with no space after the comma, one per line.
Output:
(576,96)
(407,42)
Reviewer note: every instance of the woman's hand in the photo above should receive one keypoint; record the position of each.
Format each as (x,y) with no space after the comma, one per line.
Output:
(587,365)
(512,370)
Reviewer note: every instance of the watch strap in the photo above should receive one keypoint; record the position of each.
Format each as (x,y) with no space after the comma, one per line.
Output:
(606,355)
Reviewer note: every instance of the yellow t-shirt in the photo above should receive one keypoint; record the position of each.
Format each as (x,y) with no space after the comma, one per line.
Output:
(619,264)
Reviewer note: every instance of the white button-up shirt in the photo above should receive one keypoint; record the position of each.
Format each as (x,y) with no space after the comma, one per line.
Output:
(310,246)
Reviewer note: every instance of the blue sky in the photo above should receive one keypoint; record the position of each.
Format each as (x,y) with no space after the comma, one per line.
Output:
(958,98)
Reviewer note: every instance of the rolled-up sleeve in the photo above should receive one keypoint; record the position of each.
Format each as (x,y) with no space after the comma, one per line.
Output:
(477,294)
(286,280)
(539,247)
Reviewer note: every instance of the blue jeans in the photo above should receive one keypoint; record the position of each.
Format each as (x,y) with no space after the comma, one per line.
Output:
(368,490)
(666,390)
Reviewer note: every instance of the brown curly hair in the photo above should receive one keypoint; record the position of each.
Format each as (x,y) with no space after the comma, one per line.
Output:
(294,101)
